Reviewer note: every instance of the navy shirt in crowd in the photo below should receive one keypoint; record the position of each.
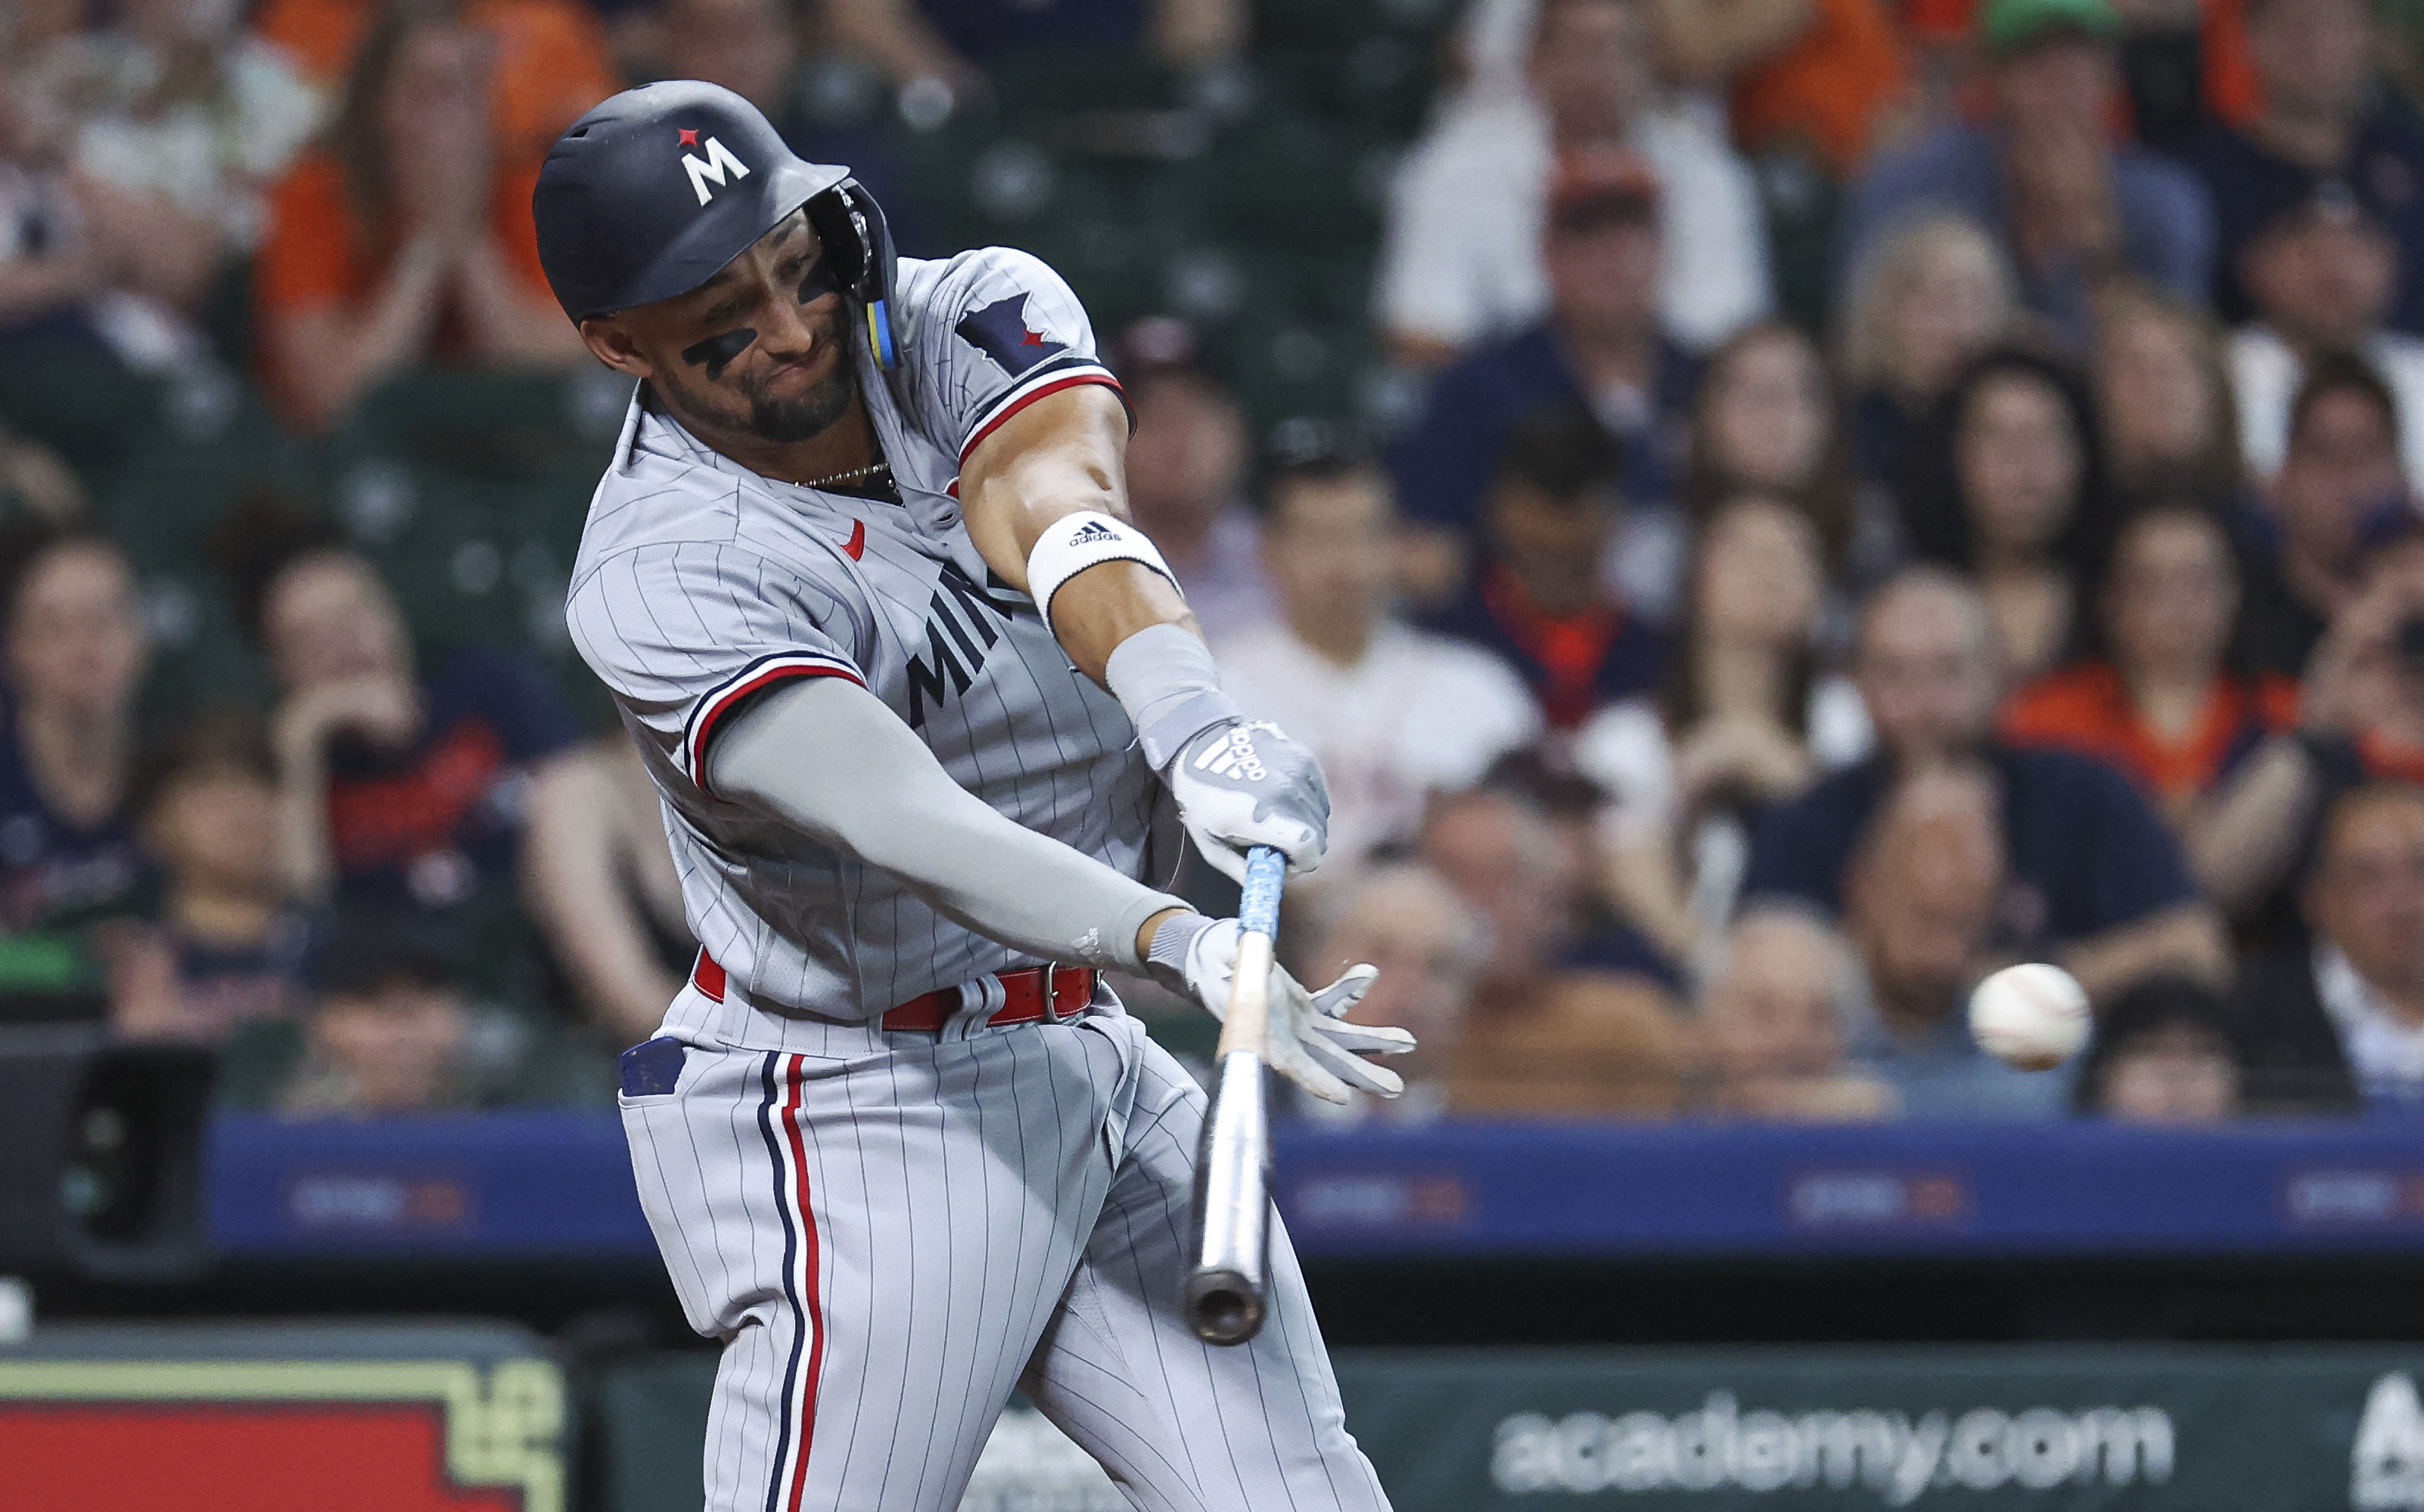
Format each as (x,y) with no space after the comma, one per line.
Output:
(2250,186)
(435,819)
(1573,663)
(52,870)
(2085,852)
(1443,465)
(225,986)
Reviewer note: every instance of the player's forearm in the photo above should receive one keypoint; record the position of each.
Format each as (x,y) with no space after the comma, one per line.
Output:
(827,757)
(1096,612)
(1060,457)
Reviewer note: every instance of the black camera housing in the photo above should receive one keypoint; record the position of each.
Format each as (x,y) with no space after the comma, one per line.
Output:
(101,1155)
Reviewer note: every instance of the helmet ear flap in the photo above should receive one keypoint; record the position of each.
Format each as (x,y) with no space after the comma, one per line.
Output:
(851,225)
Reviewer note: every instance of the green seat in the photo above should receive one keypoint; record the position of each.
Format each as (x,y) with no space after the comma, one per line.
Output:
(1288,180)
(92,412)
(476,561)
(1057,83)
(1285,367)
(165,508)
(1379,84)
(1339,24)
(505,426)
(102,419)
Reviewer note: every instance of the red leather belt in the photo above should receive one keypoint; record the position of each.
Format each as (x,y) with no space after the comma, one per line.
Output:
(1032,994)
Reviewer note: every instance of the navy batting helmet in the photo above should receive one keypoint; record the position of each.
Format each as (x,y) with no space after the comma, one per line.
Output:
(650,194)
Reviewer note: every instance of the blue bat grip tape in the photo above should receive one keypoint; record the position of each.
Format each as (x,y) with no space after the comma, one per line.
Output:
(1258,904)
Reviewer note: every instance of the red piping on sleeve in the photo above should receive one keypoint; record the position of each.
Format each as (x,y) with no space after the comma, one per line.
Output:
(1075,380)
(724,701)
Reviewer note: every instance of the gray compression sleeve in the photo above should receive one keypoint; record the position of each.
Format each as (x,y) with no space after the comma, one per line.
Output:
(826,756)
(1164,678)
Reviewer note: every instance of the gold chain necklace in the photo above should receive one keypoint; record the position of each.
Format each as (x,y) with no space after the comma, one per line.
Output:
(851,475)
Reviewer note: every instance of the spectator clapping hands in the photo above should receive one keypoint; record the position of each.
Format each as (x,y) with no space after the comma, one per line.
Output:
(440,146)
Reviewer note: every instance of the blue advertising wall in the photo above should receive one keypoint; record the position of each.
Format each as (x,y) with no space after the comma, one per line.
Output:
(526,1184)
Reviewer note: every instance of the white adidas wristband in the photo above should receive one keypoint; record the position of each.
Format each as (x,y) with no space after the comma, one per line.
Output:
(1073,543)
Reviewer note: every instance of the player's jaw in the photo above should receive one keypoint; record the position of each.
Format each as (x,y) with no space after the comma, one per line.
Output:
(798,396)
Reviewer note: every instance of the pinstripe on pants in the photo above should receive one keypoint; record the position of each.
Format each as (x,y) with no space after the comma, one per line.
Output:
(891,1237)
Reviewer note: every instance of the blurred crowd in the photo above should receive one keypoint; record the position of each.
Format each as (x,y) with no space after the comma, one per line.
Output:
(1738,646)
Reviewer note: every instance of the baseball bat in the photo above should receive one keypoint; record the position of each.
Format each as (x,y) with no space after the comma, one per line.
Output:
(1229,1253)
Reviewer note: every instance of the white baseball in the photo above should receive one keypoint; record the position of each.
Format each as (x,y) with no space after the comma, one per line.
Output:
(2032,1016)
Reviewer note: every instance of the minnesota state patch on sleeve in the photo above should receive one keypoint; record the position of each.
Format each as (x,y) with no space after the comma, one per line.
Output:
(1000,331)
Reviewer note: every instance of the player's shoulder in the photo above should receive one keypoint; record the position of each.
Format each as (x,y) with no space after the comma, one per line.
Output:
(669,607)
(658,490)
(927,284)
(997,300)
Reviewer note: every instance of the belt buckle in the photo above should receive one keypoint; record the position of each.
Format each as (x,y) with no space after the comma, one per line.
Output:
(1052,1013)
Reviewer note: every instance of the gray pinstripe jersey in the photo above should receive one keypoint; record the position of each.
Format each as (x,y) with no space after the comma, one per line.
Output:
(699,584)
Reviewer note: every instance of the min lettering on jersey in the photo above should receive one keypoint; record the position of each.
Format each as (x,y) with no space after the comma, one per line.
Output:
(962,622)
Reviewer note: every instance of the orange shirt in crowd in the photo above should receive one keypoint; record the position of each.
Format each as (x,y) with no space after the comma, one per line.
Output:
(318,255)
(553,62)
(2230,84)
(1829,87)
(2387,761)
(2086,708)
(1938,22)
(551,65)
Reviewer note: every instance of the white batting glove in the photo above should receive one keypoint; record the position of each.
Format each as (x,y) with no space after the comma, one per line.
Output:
(1246,784)
(1309,1041)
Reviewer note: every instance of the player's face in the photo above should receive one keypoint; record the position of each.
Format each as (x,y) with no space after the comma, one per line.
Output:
(762,349)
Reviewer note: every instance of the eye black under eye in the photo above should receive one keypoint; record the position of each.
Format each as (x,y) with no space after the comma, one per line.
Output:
(717,352)
(821,279)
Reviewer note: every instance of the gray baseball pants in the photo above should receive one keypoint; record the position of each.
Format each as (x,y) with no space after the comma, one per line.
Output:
(891,1234)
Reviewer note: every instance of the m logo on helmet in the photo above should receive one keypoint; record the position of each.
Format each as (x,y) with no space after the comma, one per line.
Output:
(713,169)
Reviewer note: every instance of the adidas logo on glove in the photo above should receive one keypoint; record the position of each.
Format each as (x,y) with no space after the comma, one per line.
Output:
(1233,756)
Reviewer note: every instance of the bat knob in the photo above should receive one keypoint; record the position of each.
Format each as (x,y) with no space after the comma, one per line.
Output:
(1224,1307)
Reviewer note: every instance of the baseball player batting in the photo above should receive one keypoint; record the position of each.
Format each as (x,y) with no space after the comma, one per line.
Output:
(923,709)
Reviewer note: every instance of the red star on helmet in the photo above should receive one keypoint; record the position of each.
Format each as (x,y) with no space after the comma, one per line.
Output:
(688,135)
